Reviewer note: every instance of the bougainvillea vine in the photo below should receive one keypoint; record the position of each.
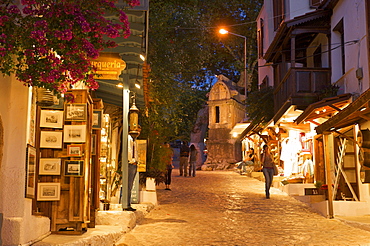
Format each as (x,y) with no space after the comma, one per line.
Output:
(49,43)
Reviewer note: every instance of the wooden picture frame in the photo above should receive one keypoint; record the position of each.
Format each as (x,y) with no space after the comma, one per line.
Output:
(75,150)
(97,119)
(58,104)
(50,166)
(75,133)
(93,144)
(75,112)
(48,192)
(51,139)
(30,172)
(51,118)
(73,168)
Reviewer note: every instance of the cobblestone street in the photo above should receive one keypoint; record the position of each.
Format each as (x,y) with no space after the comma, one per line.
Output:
(225,208)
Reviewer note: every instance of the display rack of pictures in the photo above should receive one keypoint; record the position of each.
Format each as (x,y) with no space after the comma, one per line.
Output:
(62,130)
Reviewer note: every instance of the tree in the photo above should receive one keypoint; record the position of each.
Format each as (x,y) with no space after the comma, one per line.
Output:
(185,53)
(260,106)
(41,41)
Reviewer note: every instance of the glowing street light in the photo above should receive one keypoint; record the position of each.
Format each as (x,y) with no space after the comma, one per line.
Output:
(223,31)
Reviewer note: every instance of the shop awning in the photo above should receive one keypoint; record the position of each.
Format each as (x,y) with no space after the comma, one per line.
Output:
(356,112)
(287,27)
(324,109)
(129,50)
(239,128)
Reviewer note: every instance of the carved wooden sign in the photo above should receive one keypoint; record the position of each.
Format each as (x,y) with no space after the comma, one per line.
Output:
(109,66)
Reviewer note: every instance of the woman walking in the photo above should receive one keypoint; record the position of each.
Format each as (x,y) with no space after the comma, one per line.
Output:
(268,169)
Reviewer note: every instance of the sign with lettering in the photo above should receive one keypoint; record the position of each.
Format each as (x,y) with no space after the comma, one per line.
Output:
(108,66)
(141,152)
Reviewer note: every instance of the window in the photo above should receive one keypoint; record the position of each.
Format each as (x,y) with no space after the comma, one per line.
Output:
(260,38)
(278,8)
(340,30)
(217,114)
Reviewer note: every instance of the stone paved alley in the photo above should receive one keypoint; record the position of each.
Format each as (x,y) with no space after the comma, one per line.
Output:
(225,208)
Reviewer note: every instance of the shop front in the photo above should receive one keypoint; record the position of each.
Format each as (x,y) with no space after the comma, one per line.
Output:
(345,152)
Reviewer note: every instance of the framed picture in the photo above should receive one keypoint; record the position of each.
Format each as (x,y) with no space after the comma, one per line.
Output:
(58,103)
(93,144)
(48,192)
(73,168)
(75,112)
(75,133)
(51,139)
(49,166)
(51,118)
(74,150)
(97,119)
(30,172)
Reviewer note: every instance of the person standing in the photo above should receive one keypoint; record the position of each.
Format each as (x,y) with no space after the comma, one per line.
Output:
(267,169)
(184,158)
(167,158)
(192,160)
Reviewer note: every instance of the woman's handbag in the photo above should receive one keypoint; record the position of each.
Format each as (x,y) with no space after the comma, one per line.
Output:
(276,171)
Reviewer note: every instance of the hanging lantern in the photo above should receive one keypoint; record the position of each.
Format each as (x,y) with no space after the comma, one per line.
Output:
(134,120)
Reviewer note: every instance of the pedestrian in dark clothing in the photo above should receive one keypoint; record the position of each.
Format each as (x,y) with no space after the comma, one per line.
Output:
(192,160)
(184,158)
(268,169)
(167,158)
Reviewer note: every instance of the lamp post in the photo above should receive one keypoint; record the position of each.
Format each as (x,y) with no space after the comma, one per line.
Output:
(223,31)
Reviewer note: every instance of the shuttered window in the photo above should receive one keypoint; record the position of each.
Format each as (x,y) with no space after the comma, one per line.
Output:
(278,8)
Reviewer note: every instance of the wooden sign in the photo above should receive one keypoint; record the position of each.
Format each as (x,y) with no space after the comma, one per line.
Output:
(141,152)
(109,66)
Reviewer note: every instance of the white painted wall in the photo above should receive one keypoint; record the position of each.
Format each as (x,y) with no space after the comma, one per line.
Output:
(296,8)
(322,40)
(269,34)
(354,17)
(19,225)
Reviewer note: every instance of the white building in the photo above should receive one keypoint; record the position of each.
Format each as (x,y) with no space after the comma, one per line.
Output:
(315,55)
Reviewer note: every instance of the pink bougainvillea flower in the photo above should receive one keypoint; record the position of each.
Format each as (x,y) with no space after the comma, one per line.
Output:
(53,41)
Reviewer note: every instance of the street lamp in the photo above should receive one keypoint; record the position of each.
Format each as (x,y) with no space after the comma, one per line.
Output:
(223,31)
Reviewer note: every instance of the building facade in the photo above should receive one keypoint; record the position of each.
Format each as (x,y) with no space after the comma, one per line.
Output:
(315,55)
(225,111)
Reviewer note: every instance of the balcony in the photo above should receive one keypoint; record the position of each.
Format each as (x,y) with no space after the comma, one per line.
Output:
(299,87)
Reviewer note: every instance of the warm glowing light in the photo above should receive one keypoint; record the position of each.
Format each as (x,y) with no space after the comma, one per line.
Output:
(223,31)
(235,134)
(142,57)
(119,85)
(363,109)
(137,85)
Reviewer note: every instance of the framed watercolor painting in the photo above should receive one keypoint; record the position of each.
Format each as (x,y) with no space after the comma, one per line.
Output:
(75,112)
(51,118)
(51,139)
(75,150)
(93,144)
(48,192)
(97,119)
(75,133)
(30,172)
(50,166)
(73,168)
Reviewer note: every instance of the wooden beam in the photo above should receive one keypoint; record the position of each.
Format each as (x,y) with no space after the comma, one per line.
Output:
(329,160)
